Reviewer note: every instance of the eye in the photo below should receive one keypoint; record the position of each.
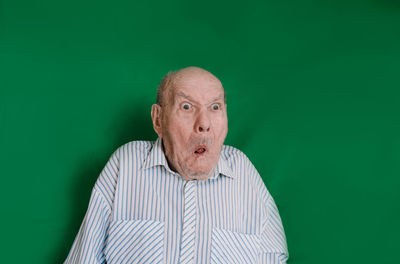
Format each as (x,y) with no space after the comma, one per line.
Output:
(215,107)
(186,106)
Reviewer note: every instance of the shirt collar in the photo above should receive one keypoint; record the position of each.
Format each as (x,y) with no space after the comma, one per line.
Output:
(223,168)
(157,157)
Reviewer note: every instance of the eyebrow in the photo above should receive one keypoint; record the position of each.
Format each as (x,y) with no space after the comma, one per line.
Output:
(188,97)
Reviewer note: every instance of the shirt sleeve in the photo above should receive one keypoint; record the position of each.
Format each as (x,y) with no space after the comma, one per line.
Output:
(273,240)
(90,241)
(273,248)
(89,244)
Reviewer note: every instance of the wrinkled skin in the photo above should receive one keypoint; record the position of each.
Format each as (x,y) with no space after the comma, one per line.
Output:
(192,123)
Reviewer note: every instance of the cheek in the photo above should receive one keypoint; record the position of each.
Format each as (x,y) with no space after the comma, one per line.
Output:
(178,134)
(222,127)
(182,125)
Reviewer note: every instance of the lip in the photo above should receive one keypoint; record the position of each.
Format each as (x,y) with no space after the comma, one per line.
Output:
(200,150)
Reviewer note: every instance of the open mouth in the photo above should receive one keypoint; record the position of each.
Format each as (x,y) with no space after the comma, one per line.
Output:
(200,150)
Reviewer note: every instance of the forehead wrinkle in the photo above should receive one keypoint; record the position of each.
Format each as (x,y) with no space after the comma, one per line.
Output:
(188,97)
(220,97)
(182,94)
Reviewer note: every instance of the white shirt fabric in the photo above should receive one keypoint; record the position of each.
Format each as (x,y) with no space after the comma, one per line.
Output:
(141,211)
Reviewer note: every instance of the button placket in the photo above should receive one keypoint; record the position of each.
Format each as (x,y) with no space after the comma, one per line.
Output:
(189,224)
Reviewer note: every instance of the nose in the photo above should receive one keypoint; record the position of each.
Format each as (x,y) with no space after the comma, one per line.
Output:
(203,123)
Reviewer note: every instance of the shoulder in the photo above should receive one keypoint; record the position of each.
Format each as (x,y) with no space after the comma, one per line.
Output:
(230,152)
(244,170)
(235,158)
(134,148)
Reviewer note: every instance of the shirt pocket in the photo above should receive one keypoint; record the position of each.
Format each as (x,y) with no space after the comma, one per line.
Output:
(135,241)
(232,247)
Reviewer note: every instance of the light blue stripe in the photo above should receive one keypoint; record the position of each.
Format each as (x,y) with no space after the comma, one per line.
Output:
(142,212)
(189,218)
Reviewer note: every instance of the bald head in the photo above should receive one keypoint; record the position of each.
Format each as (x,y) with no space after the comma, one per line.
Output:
(189,75)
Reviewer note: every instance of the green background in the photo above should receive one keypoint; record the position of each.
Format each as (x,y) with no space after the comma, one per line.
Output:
(313,100)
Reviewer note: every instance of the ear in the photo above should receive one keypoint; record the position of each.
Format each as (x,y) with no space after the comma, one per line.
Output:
(156,117)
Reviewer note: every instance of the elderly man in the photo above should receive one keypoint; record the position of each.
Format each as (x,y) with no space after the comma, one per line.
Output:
(185,198)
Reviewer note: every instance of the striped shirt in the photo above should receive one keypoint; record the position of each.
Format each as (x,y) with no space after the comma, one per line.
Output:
(140,211)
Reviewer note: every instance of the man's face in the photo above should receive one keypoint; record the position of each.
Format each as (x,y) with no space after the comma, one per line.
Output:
(194,125)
